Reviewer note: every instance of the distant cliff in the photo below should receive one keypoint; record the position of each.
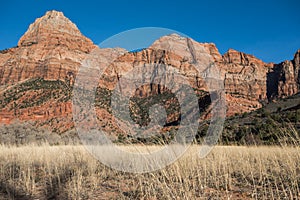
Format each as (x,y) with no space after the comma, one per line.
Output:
(37,76)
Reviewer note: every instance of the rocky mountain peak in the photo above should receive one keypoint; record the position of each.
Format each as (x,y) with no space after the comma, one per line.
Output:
(51,48)
(297,57)
(186,47)
(52,28)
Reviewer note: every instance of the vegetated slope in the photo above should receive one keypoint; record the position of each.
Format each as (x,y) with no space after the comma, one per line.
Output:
(277,122)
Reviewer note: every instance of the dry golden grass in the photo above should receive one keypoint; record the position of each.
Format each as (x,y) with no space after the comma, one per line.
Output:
(70,172)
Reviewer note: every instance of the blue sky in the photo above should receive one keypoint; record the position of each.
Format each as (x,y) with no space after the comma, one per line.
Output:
(270,30)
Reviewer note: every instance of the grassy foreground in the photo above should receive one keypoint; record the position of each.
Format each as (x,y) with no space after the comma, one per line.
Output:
(70,172)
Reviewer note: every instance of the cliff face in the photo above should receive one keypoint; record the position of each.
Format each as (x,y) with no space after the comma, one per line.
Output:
(287,84)
(172,50)
(245,81)
(52,48)
(44,64)
(284,78)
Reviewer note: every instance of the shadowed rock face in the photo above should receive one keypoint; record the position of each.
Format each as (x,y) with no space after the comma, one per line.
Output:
(284,78)
(51,51)
(289,77)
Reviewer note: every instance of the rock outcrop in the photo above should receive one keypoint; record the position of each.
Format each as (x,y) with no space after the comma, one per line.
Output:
(245,81)
(284,78)
(52,49)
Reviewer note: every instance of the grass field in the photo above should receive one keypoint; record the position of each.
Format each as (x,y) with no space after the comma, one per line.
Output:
(70,172)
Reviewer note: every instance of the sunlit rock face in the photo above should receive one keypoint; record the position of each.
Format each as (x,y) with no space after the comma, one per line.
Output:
(52,50)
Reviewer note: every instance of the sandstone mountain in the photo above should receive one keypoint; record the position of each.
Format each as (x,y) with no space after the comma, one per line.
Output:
(37,76)
(52,49)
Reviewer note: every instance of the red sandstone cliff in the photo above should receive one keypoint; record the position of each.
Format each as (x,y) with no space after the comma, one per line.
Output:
(53,49)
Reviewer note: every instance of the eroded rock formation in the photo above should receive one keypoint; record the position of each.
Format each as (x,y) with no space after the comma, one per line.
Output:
(53,49)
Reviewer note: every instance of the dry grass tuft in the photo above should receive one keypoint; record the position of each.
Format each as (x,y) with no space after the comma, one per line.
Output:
(69,172)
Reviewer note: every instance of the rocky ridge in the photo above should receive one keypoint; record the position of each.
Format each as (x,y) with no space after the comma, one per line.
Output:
(52,50)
